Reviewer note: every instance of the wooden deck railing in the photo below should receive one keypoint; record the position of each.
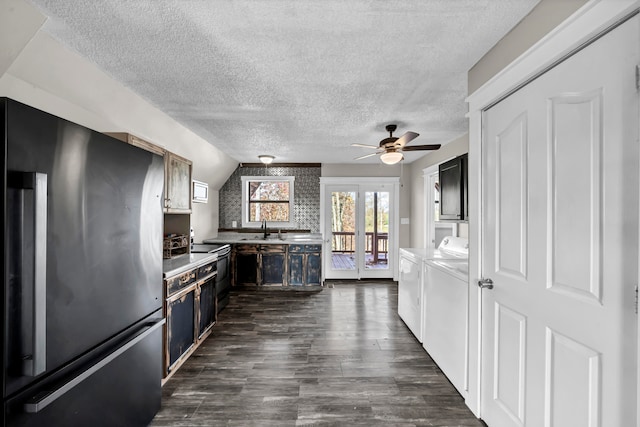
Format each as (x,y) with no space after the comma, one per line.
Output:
(344,242)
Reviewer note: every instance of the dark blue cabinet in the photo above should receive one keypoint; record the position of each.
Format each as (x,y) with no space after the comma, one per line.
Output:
(277,264)
(296,269)
(304,265)
(313,272)
(272,264)
(180,314)
(190,310)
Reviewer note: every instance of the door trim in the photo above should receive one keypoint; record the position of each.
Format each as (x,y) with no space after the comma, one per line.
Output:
(395,212)
(588,23)
(429,232)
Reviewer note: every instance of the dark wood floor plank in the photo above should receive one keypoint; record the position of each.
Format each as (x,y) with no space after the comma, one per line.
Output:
(337,357)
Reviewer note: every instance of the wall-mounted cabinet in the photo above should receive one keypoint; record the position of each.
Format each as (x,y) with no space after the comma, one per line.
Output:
(138,142)
(177,184)
(453,189)
(177,188)
(177,174)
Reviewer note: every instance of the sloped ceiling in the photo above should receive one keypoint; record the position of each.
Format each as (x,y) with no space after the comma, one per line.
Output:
(300,80)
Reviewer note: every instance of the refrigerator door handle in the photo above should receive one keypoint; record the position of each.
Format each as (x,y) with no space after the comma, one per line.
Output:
(44,399)
(35,363)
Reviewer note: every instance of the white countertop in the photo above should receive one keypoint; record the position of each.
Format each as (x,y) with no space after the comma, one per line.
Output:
(423,254)
(450,263)
(186,262)
(272,239)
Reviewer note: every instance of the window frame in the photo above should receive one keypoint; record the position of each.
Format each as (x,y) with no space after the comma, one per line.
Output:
(245,201)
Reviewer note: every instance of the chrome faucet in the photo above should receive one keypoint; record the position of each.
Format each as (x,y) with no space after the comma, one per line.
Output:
(264,226)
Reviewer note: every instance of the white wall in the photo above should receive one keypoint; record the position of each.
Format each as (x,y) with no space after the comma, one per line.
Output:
(39,71)
(543,18)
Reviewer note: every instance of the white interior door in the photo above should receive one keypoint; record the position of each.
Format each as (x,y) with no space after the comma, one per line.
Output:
(359,231)
(560,242)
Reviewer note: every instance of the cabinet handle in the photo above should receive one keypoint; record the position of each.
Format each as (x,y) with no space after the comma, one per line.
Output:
(186,277)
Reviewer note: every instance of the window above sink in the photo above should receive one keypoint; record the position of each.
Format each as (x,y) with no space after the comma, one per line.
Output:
(268,198)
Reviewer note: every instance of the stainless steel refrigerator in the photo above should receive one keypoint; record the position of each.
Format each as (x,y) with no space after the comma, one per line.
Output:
(82,266)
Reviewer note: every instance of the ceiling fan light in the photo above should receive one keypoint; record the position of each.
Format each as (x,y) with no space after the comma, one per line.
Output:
(391,158)
(266,159)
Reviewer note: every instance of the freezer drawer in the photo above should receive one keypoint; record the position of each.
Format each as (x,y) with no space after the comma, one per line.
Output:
(119,387)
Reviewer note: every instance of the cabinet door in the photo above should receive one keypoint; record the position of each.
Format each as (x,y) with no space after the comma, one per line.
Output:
(180,327)
(451,201)
(207,306)
(295,274)
(246,268)
(178,184)
(273,268)
(223,282)
(313,270)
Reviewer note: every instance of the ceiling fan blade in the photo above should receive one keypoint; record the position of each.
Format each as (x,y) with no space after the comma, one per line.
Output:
(365,146)
(365,156)
(421,147)
(406,138)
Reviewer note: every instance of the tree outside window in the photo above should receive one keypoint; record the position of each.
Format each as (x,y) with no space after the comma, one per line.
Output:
(267,199)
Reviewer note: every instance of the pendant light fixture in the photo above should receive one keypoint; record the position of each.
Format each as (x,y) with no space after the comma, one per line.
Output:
(266,158)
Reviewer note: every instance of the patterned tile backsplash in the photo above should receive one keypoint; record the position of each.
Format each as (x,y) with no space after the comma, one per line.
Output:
(306,209)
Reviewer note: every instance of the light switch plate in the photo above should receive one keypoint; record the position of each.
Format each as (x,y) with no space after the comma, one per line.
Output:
(404,221)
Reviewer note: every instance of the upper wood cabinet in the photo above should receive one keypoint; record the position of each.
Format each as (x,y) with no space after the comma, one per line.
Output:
(177,185)
(138,142)
(177,174)
(453,189)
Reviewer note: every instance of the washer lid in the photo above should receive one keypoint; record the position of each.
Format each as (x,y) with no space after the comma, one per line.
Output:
(455,245)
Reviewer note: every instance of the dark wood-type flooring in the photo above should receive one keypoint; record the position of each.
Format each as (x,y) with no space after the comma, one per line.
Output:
(340,356)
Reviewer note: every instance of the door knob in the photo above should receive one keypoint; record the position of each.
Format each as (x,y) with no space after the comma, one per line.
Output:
(485,283)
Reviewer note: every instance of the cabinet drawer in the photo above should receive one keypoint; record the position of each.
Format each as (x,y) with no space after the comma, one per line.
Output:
(207,270)
(174,284)
(246,248)
(304,248)
(273,249)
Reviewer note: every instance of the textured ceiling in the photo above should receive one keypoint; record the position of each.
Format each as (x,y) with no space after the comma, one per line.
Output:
(298,79)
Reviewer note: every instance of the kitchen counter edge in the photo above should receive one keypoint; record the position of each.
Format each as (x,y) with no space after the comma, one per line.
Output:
(233,241)
(181,263)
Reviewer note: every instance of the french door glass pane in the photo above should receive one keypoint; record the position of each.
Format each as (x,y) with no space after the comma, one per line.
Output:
(376,230)
(343,230)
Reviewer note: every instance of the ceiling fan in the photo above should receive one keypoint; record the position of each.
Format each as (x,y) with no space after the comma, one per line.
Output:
(390,149)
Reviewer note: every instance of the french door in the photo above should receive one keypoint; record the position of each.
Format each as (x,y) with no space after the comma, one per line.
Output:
(360,230)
